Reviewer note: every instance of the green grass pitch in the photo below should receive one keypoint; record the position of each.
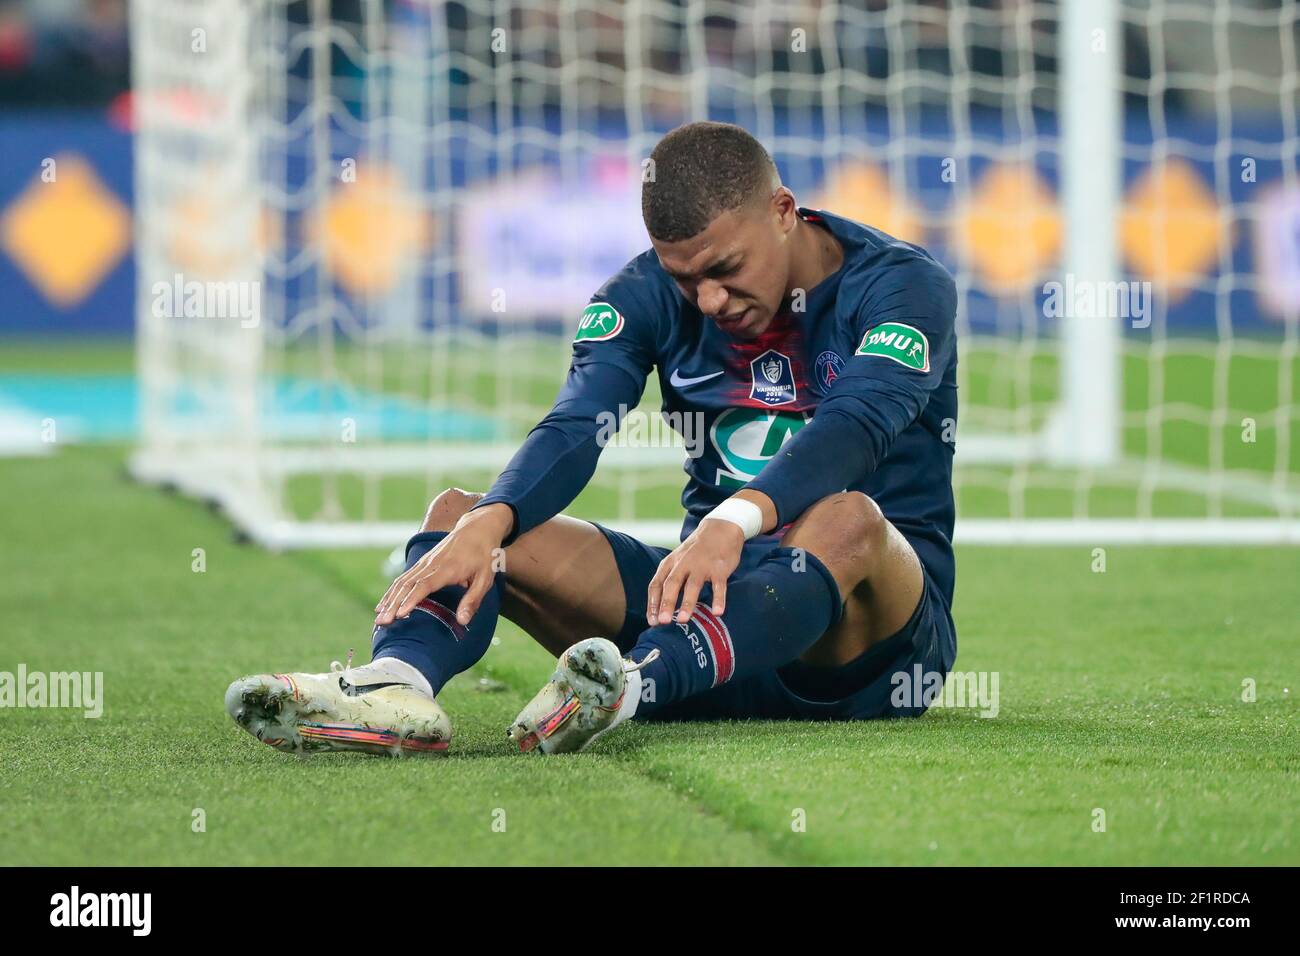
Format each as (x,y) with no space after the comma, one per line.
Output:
(1119,691)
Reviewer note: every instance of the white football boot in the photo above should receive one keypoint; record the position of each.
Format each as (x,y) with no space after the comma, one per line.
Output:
(383,707)
(593,690)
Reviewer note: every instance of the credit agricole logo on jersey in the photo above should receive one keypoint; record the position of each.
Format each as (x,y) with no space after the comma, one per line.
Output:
(902,343)
(600,321)
(747,438)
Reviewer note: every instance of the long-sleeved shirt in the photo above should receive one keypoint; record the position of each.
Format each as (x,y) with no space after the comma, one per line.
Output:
(857,391)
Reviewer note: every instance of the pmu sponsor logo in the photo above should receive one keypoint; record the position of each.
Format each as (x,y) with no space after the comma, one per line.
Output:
(600,321)
(898,342)
(747,438)
(75,908)
(959,690)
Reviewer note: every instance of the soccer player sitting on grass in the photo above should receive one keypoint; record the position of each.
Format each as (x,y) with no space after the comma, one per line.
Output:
(816,559)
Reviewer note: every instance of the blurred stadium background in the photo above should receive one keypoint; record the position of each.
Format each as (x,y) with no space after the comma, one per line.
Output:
(419,197)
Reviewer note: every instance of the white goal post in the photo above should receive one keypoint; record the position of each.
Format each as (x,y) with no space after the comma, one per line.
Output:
(364,231)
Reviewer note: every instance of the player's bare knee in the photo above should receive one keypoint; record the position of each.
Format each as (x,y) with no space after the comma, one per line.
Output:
(850,517)
(869,524)
(846,531)
(448,508)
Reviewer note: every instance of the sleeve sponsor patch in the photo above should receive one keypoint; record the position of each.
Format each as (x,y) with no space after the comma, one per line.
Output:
(600,321)
(902,343)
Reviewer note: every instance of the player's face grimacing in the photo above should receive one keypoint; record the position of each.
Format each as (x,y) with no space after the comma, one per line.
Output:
(736,270)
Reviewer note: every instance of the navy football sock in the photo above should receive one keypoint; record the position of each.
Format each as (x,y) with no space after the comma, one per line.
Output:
(774,613)
(431,639)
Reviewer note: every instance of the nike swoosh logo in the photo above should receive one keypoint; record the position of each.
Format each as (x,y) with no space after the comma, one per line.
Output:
(678,382)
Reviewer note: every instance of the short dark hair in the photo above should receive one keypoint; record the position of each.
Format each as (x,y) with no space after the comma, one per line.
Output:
(699,171)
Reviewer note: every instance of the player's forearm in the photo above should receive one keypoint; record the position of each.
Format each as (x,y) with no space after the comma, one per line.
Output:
(559,456)
(842,445)
(550,469)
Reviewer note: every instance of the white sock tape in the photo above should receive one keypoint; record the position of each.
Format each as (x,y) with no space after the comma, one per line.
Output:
(744,514)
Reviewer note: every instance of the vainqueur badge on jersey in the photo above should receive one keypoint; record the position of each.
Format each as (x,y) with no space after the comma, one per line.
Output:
(773,378)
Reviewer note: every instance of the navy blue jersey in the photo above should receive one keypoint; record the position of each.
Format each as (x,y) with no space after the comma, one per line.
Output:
(857,390)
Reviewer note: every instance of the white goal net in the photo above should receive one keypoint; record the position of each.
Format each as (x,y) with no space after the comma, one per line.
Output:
(366,229)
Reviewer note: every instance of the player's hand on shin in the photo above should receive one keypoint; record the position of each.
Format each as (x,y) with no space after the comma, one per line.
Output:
(709,556)
(465,557)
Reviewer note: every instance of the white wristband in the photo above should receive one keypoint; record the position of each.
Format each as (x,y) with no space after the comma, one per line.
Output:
(744,514)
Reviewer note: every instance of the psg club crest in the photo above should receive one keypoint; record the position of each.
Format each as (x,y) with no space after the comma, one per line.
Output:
(829,367)
(773,378)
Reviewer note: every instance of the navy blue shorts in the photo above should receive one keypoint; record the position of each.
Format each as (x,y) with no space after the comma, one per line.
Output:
(884,681)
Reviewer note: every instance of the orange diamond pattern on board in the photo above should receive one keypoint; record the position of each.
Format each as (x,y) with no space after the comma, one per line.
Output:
(1170,229)
(371,229)
(1010,228)
(862,192)
(205,242)
(66,235)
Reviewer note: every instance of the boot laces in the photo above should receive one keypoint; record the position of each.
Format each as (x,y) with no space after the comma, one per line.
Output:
(631,666)
(342,671)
